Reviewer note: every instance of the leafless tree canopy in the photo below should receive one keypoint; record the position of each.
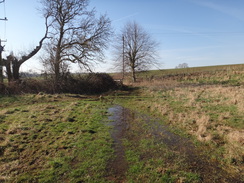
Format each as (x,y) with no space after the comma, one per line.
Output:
(48,61)
(77,35)
(137,48)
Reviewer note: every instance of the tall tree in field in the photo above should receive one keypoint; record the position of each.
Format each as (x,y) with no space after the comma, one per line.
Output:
(135,49)
(77,35)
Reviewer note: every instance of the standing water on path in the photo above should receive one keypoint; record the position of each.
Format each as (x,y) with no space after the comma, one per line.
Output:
(117,166)
(134,127)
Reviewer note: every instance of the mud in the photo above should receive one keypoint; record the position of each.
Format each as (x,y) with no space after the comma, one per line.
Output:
(198,162)
(117,166)
(209,170)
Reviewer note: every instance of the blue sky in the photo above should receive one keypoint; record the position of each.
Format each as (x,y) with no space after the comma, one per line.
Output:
(197,32)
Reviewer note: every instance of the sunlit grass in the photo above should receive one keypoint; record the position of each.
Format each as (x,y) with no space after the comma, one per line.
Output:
(53,139)
(152,161)
(212,115)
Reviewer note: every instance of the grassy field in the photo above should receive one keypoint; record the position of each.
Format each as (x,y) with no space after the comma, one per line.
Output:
(206,103)
(210,115)
(69,138)
(53,138)
(223,75)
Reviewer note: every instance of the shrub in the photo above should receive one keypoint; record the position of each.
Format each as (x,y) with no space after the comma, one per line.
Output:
(93,83)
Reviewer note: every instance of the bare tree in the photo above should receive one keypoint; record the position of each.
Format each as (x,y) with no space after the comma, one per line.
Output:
(77,35)
(12,63)
(135,50)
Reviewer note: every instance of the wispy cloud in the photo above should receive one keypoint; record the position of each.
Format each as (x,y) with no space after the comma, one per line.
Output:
(125,17)
(191,31)
(228,10)
(192,49)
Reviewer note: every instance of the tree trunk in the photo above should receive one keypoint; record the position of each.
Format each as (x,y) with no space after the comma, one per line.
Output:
(1,65)
(57,72)
(16,66)
(133,75)
(133,72)
(8,69)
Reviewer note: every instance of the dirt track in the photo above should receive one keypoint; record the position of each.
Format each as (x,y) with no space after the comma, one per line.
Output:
(128,124)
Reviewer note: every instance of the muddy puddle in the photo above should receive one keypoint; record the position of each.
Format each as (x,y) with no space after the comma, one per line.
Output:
(117,166)
(121,118)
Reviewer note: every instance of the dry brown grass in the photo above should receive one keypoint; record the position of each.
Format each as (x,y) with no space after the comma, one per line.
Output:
(211,113)
(208,103)
(155,84)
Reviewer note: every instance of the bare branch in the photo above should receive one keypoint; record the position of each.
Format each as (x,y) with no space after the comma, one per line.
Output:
(77,35)
(37,49)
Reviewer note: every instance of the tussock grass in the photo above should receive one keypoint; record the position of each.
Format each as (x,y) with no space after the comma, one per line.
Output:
(211,114)
(206,103)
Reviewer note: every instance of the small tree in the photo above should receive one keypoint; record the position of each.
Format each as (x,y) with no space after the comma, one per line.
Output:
(135,50)
(181,66)
(77,36)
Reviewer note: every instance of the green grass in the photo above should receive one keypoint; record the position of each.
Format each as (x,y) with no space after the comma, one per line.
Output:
(62,139)
(183,108)
(54,141)
(152,161)
(65,138)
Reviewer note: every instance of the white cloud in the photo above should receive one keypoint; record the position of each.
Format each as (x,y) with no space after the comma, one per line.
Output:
(125,17)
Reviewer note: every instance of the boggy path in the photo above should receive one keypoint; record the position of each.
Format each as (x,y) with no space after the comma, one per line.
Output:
(123,118)
(118,166)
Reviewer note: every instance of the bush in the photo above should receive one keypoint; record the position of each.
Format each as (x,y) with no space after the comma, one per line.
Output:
(99,83)
(93,83)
